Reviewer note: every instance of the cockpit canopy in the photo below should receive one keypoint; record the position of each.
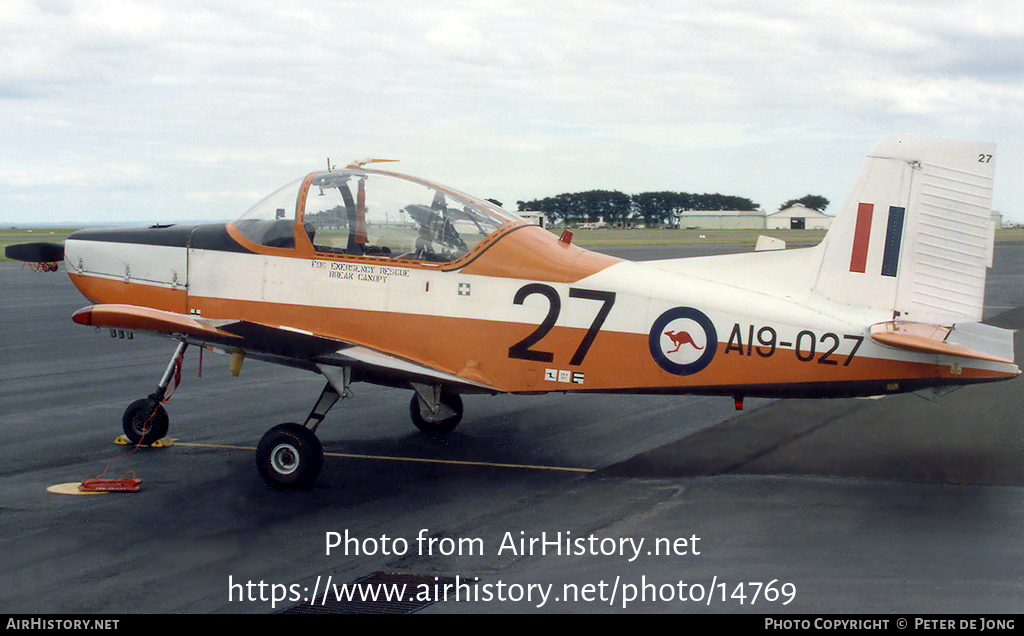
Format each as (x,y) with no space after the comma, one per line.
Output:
(373,213)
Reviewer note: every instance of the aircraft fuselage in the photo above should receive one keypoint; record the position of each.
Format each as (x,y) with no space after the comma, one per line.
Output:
(587,322)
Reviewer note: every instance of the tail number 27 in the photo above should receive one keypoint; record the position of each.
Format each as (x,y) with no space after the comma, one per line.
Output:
(523,349)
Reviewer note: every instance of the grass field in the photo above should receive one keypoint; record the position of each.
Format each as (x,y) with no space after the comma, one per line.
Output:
(584,238)
(793,238)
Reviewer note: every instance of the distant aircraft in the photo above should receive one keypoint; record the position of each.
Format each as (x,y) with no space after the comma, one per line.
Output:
(364,275)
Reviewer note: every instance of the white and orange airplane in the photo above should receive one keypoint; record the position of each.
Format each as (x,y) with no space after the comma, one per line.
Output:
(364,275)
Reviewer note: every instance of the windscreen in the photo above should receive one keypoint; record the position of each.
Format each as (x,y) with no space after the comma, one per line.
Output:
(271,222)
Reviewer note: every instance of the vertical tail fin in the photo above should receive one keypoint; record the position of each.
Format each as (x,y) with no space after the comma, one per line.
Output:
(915,236)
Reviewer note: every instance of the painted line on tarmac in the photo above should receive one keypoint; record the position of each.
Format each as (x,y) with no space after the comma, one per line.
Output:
(417,460)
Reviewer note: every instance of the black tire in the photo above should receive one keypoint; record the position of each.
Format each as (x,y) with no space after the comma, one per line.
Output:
(289,456)
(436,426)
(145,421)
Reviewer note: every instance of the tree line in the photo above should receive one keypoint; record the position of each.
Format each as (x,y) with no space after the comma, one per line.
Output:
(655,208)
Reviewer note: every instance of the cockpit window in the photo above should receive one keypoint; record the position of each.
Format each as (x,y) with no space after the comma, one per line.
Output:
(271,222)
(380,214)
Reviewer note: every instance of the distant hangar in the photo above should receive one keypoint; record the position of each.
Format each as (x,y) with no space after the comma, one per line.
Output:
(721,220)
(795,217)
(798,217)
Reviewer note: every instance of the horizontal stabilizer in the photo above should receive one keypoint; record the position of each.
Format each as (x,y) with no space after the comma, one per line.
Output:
(925,338)
(769,243)
(35,252)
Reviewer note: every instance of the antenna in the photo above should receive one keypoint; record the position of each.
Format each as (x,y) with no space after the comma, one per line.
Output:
(359,163)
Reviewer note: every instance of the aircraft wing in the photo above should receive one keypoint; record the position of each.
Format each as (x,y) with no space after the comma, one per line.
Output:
(135,318)
(280,344)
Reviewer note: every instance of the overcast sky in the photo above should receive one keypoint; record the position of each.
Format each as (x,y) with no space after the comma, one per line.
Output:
(117,110)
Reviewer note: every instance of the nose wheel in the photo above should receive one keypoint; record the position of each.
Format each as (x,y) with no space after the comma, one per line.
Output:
(145,421)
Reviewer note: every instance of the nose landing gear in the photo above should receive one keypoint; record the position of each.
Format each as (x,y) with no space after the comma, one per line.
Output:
(145,421)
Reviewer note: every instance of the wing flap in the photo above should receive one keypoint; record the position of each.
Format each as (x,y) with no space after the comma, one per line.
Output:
(406,368)
(282,341)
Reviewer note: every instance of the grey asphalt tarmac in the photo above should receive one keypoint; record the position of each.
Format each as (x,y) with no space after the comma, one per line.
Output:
(646,503)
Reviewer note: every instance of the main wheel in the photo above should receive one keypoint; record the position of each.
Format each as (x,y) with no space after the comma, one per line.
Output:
(145,421)
(289,456)
(437,424)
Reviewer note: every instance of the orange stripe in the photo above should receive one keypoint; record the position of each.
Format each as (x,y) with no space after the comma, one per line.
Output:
(109,291)
(478,350)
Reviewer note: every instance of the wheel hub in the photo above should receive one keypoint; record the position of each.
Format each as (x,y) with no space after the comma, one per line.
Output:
(284,459)
(141,423)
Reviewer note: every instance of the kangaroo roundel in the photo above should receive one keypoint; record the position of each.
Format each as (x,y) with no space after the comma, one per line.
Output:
(683,341)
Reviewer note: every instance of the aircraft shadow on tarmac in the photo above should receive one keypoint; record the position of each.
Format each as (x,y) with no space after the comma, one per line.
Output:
(971,436)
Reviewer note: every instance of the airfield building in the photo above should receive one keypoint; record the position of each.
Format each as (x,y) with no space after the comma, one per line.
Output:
(798,217)
(721,220)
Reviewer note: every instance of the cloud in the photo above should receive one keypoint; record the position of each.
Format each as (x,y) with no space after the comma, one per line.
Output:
(521,100)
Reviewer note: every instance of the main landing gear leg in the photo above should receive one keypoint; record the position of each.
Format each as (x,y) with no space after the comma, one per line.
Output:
(290,455)
(145,421)
(433,411)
